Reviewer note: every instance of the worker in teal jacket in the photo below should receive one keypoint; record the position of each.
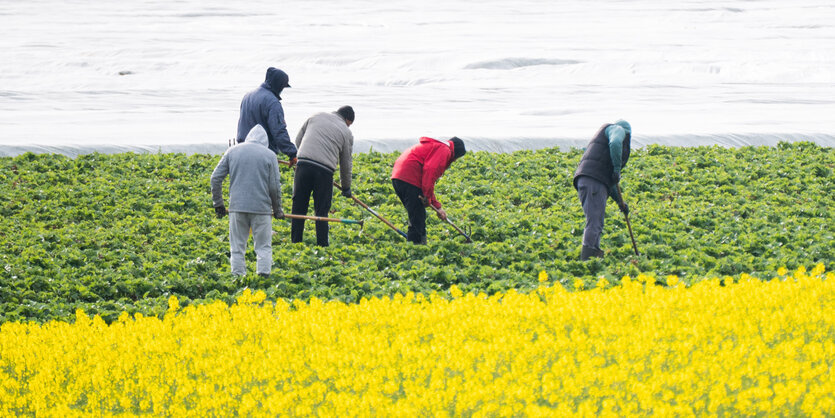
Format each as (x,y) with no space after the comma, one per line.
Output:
(597,177)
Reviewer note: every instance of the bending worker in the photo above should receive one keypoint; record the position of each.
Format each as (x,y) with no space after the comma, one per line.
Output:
(254,196)
(414,175)
(324,142)
(597,178)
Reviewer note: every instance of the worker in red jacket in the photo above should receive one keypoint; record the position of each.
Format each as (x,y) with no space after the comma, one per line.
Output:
(414,175)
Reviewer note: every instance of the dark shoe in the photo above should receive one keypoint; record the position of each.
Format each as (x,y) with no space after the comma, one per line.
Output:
(264,275)
(589,252)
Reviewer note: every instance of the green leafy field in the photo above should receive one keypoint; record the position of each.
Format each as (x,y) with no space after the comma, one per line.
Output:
(113,233)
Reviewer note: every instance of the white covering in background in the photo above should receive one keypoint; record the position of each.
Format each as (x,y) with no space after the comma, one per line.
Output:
(168,76)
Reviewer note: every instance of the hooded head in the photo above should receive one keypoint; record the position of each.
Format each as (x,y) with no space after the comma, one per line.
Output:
(458,148)
(627,141)
(257,135)
(276,81)
(626,127)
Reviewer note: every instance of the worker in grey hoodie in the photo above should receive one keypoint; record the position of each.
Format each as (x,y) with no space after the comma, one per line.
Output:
(597,178)
(254,196)
(262,106)
(324,142)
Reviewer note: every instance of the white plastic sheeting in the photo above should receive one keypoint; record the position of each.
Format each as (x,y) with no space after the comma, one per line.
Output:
(155,76)
(473,144)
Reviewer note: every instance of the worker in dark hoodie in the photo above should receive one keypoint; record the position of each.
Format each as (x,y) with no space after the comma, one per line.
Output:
(597,178)
(254,196)
(324,142)
(414,175)
(262,106)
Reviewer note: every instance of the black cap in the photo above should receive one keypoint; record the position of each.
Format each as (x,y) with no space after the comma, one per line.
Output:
(458,147)
(347,113)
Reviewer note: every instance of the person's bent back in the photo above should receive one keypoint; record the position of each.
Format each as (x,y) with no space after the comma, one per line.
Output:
(325,142)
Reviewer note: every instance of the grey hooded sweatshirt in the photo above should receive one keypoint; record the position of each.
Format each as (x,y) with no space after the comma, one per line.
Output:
(254,180)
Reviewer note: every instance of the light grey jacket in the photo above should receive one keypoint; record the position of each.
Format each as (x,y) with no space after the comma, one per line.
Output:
(254,180)
(325,139)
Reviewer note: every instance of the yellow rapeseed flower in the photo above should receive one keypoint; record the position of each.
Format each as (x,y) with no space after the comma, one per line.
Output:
(602,283)
(455,292)
(751,348)
(173,303)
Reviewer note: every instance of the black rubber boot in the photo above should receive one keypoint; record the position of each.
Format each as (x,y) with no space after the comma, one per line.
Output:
(589,252)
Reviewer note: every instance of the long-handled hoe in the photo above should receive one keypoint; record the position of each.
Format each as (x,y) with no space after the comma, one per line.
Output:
(629,226)
(324,219)
(359,202)
(373,212)
(467,236)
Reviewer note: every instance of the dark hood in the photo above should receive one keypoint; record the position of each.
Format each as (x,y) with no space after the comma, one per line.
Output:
(276,81)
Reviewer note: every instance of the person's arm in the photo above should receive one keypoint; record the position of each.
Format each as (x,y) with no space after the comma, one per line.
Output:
(278,129)
(616,135)
(218,175)
(274,186)
(346,163)
(615,194)
(433,169)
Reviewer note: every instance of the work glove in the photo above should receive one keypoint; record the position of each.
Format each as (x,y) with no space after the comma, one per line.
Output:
(220,211)
(278,214)
(293,162)
(346,193)
(624,208)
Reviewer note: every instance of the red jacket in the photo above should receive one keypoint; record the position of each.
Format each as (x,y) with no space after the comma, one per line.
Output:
(423,164)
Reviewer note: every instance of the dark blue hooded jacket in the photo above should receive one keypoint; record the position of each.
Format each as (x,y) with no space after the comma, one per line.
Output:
(262,106)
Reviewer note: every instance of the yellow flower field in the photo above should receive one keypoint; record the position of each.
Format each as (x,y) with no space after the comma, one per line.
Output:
(737,347)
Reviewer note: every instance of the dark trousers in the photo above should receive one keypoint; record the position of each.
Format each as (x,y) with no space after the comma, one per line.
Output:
(411,196)
(311,178)
(593,195)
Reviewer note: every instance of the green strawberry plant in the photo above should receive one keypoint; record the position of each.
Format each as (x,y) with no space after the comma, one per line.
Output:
(123,232)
